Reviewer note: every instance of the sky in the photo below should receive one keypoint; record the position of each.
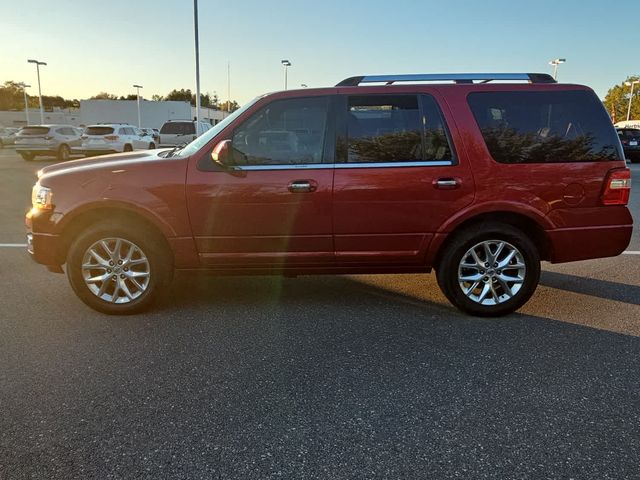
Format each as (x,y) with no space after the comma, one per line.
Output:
(93,47)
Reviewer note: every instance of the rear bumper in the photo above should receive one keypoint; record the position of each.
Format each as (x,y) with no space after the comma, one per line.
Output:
(572,244)
(36,149)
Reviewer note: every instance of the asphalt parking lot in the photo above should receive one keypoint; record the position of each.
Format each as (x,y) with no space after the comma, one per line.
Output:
(333,377)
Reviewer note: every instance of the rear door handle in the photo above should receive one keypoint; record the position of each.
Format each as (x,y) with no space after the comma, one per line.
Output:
(446,183)
(303,186)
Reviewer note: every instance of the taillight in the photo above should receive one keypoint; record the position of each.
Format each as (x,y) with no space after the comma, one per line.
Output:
(617,187)
(625,142)
(111,137)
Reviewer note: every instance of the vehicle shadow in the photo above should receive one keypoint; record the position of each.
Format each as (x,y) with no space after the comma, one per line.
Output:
(592,286)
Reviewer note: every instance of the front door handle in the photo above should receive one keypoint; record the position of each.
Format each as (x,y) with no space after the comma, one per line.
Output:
(303,186)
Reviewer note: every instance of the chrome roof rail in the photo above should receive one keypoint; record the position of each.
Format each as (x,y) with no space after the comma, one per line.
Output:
(447,77)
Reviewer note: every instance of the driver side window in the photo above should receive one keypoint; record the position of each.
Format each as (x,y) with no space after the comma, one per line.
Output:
(285,132)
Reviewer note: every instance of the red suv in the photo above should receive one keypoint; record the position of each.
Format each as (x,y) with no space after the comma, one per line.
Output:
(477,179)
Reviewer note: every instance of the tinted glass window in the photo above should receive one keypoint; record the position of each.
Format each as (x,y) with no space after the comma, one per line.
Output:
(178,128)
(34,131)
(383,128)
(98,131)
(285,132)
(545,127)
(629,134)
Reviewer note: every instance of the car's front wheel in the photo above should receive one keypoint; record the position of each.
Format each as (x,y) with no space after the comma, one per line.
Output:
(117,269)
(489,270)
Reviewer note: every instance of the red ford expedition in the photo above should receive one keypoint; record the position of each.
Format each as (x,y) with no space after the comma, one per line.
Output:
(477,179)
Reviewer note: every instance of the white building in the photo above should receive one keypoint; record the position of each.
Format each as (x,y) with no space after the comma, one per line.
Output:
(152,114)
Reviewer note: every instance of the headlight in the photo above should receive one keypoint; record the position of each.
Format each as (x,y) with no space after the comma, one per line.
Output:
(41,197)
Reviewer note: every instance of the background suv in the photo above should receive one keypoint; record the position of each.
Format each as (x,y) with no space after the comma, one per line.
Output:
(115,137)
(381,174)
(630,139)
(58,140)
(178,132)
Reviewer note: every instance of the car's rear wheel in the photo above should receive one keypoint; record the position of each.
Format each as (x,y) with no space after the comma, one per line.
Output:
(489,270)
(128,148)
(28,156)
(152,146)
(63,153)
(118,269)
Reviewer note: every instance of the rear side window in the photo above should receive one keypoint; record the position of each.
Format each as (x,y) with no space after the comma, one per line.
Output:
(98,131)
(34,131)
(395,128)
(629,134)
(178,128)
(545,127)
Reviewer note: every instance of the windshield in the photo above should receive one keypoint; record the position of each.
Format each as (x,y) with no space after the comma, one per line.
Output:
(203,139)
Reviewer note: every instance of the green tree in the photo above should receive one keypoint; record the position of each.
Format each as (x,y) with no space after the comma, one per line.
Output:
(11,96)
(617,100)
(224,106)
(104,96)
(157,98)
(181,95)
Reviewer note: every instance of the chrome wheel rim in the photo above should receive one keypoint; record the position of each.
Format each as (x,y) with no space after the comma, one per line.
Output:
(116,270)
(491,272)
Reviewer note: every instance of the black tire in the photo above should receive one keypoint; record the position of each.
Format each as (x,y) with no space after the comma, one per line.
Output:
(64,153)
(152,146)
(128,148)
(159,267)
(459,246)
(27,156)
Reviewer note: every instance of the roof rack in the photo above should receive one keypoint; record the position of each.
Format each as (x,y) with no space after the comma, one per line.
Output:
(443,77)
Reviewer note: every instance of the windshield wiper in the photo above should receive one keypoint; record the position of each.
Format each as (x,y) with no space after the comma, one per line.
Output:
(175,149)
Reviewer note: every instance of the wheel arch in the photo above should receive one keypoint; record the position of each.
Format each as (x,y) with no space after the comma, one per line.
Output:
(83,220)
(528,225)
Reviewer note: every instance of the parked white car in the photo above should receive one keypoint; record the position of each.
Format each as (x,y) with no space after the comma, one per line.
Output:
(177,132)
(113,138)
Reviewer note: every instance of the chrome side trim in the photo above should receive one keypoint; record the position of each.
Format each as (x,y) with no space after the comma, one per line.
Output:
(325,166)
(302,166)
(439,163)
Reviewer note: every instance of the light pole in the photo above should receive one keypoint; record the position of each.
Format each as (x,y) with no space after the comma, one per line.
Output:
(555,64)
(286,64)
(138,87)
(195,28)
(630,84)
(39,91)
(26,102)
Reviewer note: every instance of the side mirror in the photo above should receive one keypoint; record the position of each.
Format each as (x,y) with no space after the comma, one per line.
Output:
(221,154)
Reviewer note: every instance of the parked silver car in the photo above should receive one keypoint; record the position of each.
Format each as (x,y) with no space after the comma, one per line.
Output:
(7,136)
(51,140)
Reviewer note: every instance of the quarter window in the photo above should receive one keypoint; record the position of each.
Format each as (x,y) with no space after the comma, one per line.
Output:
(545,127)
(285,132)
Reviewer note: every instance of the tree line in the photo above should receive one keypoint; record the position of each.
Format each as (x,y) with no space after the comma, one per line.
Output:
(617,100)
(207,100)
(12,98)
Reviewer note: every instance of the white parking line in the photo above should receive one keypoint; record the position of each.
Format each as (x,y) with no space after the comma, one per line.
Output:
(631,252)
(13,245)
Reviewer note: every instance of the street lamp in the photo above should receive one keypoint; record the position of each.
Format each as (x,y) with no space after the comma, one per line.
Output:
(39,91)
(26,102)
(286,64)
(138,87)
(195,30)
(630,84)
(555,64)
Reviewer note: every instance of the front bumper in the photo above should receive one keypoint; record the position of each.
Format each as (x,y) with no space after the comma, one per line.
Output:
(44,248)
